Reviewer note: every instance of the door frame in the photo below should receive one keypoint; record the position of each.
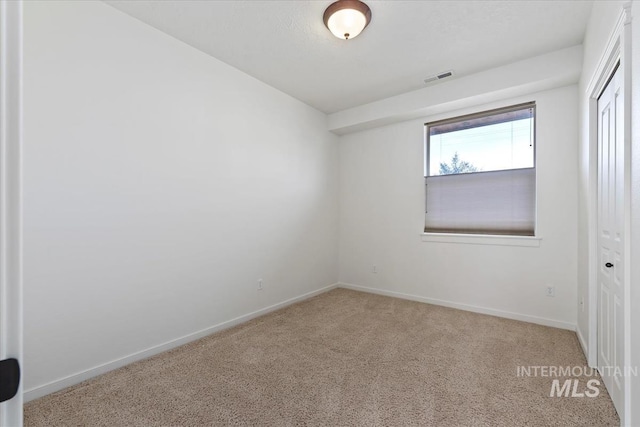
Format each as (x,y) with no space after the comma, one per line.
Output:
(11,326)
(618,49)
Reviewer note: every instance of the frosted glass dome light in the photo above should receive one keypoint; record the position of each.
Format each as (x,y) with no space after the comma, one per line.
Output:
(347,18)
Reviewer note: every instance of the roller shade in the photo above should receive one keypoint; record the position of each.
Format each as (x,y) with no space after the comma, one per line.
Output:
(496,202)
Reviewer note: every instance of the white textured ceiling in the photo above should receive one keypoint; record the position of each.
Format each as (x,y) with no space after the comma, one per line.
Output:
(286,45)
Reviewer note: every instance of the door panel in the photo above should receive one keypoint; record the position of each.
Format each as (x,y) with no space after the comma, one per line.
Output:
(610,239)
(604,323)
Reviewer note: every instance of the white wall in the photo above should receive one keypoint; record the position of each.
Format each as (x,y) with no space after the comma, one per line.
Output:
(160,184)
(381,219)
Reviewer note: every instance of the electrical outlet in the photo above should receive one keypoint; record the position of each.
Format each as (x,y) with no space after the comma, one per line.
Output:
(259,284)
(551,291)
(374,270)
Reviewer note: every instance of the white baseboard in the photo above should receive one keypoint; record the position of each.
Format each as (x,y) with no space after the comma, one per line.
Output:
(65,382)
(467,307)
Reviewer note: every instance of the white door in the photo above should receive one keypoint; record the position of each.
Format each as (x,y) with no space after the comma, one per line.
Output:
(610,239)
(10,209)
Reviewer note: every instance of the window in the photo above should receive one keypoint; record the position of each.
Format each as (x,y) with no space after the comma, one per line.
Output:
(480,174)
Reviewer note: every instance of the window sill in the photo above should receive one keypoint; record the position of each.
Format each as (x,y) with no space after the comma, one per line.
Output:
(482,239)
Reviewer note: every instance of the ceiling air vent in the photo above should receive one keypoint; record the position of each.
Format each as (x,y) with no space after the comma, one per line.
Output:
(439,76)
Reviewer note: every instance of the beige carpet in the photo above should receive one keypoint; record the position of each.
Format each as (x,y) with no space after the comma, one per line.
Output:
(340,359)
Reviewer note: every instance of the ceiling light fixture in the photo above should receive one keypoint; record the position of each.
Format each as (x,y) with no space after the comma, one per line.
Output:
(347,18)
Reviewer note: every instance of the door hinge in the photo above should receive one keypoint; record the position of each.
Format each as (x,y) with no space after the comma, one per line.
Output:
(9,378)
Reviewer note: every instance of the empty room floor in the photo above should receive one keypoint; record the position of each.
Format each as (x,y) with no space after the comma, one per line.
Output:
(345,358)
